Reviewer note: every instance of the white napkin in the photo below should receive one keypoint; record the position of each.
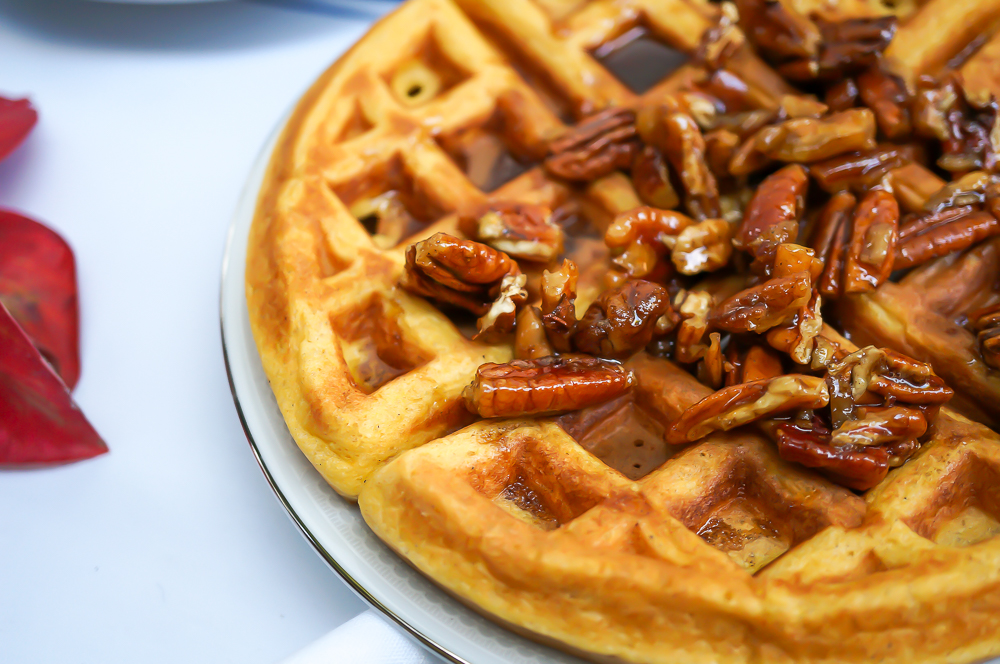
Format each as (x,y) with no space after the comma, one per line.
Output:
(365,639)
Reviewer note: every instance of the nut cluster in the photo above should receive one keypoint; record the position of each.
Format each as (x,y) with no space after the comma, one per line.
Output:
(755,212)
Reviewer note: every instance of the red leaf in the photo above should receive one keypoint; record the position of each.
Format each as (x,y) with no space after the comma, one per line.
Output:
(17,117)
(39,423)
(38,286)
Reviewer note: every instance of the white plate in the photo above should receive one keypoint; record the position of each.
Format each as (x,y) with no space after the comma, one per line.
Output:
(333,525)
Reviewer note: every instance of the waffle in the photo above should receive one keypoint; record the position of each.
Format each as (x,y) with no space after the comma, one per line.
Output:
(622,549)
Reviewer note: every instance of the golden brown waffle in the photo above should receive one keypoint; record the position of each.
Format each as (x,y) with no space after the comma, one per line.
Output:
(724,552)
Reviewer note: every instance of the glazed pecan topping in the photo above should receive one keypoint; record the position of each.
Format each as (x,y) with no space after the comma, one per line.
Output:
(971,189)
(985,323)
(651,179)
(623,320)
(754,364)
(598,146)
(520,230)
(677,136)
(500,318)
(741,404)
(693,309)
(558,305)
(968,125)
(777,31)
(942,239)
(761,307)
(860,171)
(463,273)
(545,386)
(805,140)
(857,468)
(880,425)
(703,247)
(639,241)
(772,217)
(886,95)
(530,339)
(797,338)
(868,259)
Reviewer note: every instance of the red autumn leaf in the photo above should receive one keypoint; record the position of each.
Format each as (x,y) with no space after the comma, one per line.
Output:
(39,423)
(17,117)
(38,287)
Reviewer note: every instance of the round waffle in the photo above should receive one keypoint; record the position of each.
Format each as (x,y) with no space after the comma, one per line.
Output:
(718,552)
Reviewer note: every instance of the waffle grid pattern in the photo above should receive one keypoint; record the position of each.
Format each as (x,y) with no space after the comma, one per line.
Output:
(514,517)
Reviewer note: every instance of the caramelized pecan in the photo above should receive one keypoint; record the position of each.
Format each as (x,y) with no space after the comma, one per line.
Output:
(841,95)
(677,136)
(877,426)
(651,179)
(761,307)
(544,386)
(623,320)
(703,247)
(756,363)
(599,145)
(970,189)
(886,95)
(500,318)
(805,140)
(860,171)
(460,272)
(741,404)
(940,240)
(778,31)
(985,323)
(559,305)
(797,337)
(868,260)
(530,340)
(856,468)
(772,216)
(521,230)
(721,41)
(693,308)
(636,238)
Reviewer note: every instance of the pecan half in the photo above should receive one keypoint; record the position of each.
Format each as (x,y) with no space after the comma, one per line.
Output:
(941,240)
(878,426)
(651,179)
(460,272)
(856,468)
(693,308)
(703,247)
(622,320)
(756,363)
(970,189)
(559,305)
(599,145)
(797,338)
(832,237)
(985,323)
(741,404)
(721,41)
(886,95)
(544,386)
(772,216)
(868,260)
(530,340)
(677,136)
(636,239)
(860,171)
(779,31)
(805,140)
(521,230)
(500,318)
(761,307)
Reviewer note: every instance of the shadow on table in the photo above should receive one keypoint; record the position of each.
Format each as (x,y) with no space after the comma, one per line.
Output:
(207,26)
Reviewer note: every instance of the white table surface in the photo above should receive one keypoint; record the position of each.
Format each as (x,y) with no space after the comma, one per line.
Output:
(172,548)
